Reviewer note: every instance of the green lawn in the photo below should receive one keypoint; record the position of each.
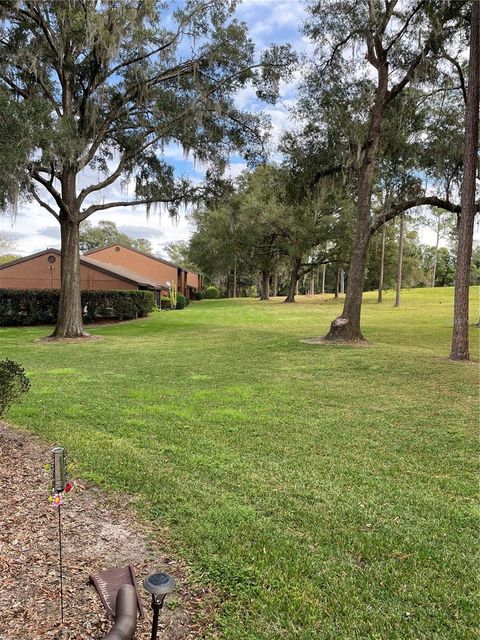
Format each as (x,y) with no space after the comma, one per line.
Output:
(327,491)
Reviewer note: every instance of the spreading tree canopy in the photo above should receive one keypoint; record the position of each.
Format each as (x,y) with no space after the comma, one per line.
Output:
(369,55)
(106,233)
(99,88)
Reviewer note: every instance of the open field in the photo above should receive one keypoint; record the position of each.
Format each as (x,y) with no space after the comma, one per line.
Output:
(326,491)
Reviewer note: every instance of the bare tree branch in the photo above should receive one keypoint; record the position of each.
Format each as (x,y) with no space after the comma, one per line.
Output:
(125,203)
(461,77)
(45,205)
(401,207)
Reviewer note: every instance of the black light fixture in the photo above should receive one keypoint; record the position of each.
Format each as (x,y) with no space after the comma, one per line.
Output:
(159,585)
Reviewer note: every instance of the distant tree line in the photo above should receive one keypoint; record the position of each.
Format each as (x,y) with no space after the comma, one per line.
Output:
(256,242)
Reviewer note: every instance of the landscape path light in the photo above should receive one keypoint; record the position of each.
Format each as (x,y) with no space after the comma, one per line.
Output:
(159,585)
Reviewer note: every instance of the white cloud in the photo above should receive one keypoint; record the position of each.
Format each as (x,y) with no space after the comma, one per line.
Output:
(269,21)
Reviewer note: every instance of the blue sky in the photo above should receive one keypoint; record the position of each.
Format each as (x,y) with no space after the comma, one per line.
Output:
(269,21)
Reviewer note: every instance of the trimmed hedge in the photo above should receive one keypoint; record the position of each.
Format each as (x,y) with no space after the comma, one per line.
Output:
(212,293)
(200,295)
(40,306)
(181,301)
(166,303)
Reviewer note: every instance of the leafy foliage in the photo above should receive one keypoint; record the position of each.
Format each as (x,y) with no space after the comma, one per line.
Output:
(181,301)
(40,306)
(212,293)
(166,303)
(106,233)
(100,89)
(13,383)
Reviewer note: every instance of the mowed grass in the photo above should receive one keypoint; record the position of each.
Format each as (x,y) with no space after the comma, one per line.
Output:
(325,491)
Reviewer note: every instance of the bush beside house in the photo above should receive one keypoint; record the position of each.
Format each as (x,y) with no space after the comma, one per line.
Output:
(40,306)
(212,293)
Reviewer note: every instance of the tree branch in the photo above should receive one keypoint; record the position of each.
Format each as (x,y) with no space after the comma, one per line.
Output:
(461,77)
(401,207)
(416,62)
(47,184)
(44,204)
(405,26)
(125,203)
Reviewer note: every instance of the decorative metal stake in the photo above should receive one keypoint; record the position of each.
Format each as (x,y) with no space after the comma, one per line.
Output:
(58,485)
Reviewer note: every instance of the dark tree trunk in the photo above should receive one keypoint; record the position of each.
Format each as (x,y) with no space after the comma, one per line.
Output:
(401,236)
(235,278)
(382,267)
(337,282)
(265,286)
(69,319)
(459,350)
(292,287)
(312,284)
(347,326)
(275,285)
(435,255)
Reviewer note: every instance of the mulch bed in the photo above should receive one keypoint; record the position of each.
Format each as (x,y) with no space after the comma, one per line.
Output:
(99,532)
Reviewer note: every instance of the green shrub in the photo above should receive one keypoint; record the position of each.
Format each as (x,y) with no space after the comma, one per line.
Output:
(13,382)
(187,301)
(200,295)
(212,293)
(166,303)
(181,301)
(40,306)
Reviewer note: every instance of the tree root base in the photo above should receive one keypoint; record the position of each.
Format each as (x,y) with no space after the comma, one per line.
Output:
(344,332)
(322,340)
(84,337)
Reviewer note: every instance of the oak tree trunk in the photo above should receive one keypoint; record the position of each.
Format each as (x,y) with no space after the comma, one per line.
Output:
(69,319)
(293,284)
(459,350)
(265,286)
(435,255)
(400,261)
(235,277)
(312,284)
(347,326)
(382,267)
(275,285)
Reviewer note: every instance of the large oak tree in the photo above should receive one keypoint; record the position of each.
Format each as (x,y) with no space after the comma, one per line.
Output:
(368,54)
(98,88)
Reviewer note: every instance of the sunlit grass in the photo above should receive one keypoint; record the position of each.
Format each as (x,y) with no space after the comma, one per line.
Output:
(325,491)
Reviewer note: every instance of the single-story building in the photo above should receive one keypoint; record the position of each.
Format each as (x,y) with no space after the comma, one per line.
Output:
(188,282)
(42,271)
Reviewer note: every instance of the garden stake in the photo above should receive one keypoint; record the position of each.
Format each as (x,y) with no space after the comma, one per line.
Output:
(58,486)
(61,563)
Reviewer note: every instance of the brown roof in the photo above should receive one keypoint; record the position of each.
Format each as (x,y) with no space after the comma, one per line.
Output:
(142,253)
(104,267)
(121,272)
